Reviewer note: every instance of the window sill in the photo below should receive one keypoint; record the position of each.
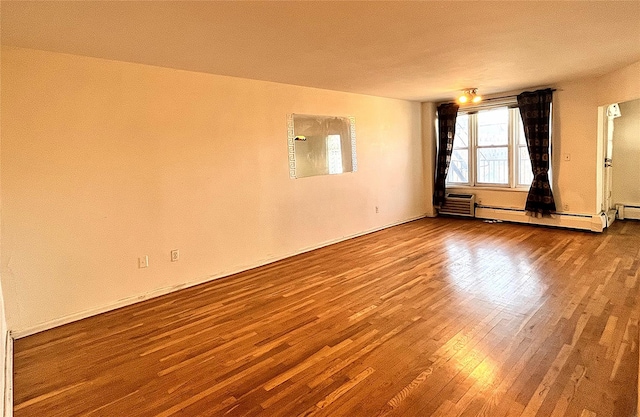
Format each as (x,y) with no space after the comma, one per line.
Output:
(483,188)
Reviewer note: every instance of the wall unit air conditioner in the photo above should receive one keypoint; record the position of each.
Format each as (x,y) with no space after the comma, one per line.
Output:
(459,205)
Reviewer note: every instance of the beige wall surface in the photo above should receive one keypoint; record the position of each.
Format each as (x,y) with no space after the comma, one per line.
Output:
(575,127)
(429,149)
(626,155)
(6,371)
(105,161)
(620,85)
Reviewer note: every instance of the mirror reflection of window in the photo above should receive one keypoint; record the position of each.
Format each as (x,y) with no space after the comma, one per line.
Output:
(321,145)
(334,154)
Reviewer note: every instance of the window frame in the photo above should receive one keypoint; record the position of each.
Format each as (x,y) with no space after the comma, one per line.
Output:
(476,144)
(513,147)
(334,155)
(468,151)
(518,128)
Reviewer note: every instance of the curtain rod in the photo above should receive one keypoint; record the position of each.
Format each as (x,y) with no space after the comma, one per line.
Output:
(498,98)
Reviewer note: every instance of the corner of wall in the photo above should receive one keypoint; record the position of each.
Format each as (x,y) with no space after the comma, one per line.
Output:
(428,113)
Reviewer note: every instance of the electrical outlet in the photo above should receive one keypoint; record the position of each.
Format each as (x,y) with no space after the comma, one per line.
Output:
(175,255)
(377,209)
(143,262)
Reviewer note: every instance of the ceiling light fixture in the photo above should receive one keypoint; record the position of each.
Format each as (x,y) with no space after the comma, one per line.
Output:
(469,95)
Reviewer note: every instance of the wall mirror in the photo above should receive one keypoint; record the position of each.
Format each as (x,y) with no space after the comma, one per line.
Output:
(321,145)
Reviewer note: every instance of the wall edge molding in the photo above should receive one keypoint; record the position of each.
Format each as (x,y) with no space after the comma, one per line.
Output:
(8,376)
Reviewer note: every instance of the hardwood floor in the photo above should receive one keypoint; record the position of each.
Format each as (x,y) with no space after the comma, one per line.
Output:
(437,317)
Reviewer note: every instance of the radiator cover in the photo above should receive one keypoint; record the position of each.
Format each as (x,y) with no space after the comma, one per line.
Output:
(459,205)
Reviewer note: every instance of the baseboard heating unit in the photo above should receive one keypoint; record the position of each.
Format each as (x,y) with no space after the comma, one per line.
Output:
(459,205)
(591,222)
(628,211)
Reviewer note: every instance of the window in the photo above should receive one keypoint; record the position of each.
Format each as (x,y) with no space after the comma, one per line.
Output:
(490,149)
(334,154)
(459,166)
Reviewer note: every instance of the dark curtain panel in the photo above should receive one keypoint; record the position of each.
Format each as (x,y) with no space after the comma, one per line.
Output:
(446,131)
(535,108)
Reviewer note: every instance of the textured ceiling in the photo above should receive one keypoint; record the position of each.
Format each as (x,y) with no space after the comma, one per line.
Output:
(409,50)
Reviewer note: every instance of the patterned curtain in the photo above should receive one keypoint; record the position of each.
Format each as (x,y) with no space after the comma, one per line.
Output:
(446,131)
(535,108)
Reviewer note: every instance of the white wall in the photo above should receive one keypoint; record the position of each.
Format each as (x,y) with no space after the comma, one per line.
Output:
(104,161)
(626,155)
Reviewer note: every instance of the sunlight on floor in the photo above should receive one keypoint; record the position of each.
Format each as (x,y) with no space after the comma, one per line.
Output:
(494,274)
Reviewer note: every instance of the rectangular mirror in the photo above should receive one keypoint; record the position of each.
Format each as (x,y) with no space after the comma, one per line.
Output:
(321,145)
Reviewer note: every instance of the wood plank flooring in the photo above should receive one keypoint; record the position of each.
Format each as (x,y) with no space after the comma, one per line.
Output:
(437,317)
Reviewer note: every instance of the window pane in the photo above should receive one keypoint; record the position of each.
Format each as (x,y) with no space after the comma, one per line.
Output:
(525,176)
(493,127)
(461,140)
(521,138)
(493,165)
(334,154)
(459,167)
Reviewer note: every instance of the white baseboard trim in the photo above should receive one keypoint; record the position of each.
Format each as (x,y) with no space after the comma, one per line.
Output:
(20,333)
(593,223)
(629,212)
(8,376)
